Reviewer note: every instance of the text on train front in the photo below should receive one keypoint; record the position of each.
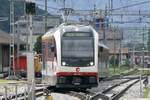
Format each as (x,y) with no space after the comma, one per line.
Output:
(77,49)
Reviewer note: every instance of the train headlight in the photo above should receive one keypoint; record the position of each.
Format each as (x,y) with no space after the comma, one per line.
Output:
(91,63)
(63,63)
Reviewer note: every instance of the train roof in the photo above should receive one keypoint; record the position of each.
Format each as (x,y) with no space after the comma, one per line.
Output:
(103,45)
(68,28)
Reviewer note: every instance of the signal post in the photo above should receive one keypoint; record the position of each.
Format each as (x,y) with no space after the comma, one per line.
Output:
(30,11)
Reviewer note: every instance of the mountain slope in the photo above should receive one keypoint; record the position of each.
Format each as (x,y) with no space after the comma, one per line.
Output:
(19,11)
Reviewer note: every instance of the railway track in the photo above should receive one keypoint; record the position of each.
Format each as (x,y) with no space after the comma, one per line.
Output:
(80,94)
(115,91)
(107,94)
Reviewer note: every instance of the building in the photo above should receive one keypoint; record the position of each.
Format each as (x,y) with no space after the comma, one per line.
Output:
(4,50)
(112,37)
(140,58)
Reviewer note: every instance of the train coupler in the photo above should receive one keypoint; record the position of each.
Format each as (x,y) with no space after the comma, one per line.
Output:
(47,94)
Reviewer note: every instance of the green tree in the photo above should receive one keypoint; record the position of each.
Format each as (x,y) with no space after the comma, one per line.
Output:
(114,61)
(148,43)
(38,45)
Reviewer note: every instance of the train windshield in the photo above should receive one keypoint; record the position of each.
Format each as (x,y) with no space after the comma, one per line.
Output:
(78,49)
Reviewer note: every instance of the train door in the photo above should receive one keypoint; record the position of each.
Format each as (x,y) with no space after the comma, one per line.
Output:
(50,57)
(103,62)
(100,63)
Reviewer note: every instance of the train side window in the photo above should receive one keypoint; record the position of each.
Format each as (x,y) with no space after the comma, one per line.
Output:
(52,49)
(50,53)
(43,54)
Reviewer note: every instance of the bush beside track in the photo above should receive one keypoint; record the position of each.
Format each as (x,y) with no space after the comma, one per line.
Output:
(121,71)
(128,71)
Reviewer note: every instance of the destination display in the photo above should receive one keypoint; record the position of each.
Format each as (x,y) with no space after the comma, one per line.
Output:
(78,34)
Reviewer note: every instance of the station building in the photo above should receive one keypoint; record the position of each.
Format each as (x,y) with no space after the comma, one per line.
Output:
(4,50)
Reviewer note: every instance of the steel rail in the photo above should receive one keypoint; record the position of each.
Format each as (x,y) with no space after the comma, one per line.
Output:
(115,96)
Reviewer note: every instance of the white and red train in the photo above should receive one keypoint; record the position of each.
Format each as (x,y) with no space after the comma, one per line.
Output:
(70,56)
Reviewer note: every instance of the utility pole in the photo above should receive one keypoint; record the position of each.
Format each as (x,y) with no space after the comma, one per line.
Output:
(30,11)
(105,25)
(45,27)
(64,3)
(114,49)
(65,11)
(30,32)
(12,35)
(18,45)
(45,20)
(120,50)
(94,17)
(143,48)
(133,58)
(110,5)
(27,24)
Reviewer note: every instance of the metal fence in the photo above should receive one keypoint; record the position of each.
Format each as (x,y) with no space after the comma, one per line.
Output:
(15,90)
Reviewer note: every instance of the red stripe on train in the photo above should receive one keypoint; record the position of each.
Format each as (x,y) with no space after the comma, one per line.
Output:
(77,73)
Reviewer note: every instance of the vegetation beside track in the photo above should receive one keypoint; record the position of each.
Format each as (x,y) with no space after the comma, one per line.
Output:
(147,92)
(3,81)
(121,70)
(124,70)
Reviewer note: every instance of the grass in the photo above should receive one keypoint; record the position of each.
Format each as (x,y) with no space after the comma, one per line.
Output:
(146,92)
(3,81)
(138,72)
(117,70)
(124,70)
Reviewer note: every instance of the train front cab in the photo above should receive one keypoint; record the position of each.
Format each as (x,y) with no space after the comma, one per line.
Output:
(78,61)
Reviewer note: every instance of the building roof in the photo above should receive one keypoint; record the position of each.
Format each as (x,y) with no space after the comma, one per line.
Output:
(103,45)
(117,51)
(110,34)
(5,38)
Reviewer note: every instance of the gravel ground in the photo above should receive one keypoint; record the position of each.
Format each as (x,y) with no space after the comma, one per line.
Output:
(58,96)
(11,88)
(133,92)
(105,84)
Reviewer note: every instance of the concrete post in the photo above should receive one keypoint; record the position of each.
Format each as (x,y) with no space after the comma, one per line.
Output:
(140,85)
(30,75)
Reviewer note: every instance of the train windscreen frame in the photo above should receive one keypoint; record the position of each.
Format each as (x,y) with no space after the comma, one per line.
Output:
(77,49)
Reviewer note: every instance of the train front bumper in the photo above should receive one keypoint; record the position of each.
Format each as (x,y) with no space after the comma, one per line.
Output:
(77,81)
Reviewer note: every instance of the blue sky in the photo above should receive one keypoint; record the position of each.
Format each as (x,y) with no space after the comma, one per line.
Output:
(89,4)
(102,4)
